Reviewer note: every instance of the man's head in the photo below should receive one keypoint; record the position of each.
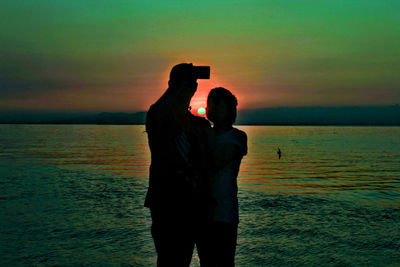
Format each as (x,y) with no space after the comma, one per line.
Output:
(182,77)
(221,106)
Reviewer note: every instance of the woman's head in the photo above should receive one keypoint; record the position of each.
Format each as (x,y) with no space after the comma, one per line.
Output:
(221,106)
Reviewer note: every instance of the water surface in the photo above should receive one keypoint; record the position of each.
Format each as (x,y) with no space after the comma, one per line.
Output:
(73,195)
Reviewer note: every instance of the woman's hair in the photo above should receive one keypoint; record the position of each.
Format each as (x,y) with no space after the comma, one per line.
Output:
(219,94)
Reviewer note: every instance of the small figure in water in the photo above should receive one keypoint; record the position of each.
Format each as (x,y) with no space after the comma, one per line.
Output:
(279,153)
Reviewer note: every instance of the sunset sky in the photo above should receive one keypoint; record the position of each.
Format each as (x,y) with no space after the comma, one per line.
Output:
(116,55)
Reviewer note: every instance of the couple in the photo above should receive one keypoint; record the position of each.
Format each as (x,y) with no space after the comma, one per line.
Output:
(192,192)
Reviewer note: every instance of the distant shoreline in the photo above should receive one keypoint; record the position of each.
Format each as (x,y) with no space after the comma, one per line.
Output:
(142,124)
(282,116)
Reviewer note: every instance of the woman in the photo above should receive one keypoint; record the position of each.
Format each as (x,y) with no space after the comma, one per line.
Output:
(228,146)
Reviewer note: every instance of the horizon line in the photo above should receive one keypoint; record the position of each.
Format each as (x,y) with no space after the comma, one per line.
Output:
(137,111)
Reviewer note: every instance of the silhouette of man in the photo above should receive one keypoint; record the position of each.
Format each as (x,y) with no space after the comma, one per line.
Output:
(173,193)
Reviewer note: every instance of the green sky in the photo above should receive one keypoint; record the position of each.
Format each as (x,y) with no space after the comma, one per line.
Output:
(116,55)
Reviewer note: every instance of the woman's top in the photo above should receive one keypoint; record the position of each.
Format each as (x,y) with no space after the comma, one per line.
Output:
(224,184)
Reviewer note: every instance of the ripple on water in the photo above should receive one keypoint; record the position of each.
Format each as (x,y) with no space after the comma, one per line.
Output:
(73,195)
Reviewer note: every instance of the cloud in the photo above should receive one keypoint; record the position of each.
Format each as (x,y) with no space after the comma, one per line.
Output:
(24,75)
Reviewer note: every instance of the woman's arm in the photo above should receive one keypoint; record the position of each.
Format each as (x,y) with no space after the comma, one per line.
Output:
(228,153)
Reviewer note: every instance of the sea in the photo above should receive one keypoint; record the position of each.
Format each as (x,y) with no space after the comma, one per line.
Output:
(72,195)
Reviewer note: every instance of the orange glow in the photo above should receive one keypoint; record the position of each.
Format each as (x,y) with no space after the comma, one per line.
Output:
(217,79)
(199,99)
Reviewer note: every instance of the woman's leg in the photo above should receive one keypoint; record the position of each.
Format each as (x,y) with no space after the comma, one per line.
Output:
(225,243)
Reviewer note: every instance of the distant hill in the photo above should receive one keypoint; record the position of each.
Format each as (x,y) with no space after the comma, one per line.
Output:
(72,118)
(383,115)
(106,118)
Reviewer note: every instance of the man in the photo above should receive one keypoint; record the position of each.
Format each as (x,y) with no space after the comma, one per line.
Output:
(175,184)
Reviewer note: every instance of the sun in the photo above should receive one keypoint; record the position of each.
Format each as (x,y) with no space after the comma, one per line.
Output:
(201,110)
